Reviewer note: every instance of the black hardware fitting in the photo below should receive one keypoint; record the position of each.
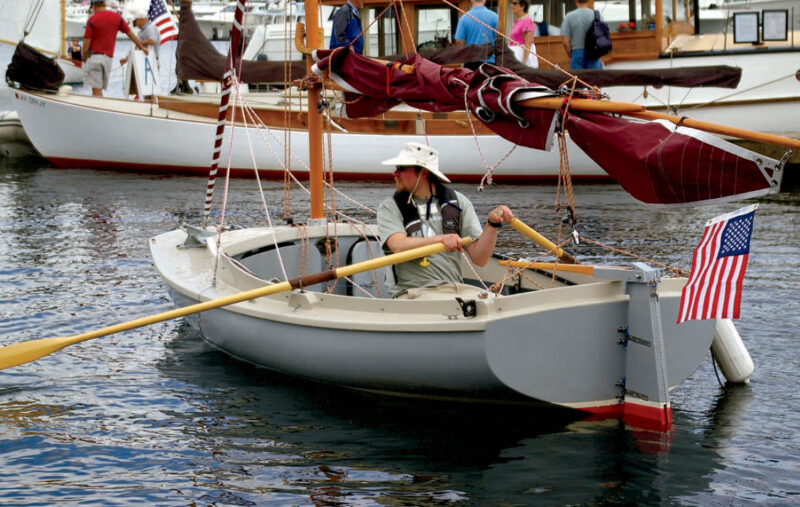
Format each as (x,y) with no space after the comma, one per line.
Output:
(468,308)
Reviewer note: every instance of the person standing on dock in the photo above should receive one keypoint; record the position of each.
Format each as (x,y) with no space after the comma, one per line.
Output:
(521,35)
(424,211)
(99,40)
(347,27)
(576,24)
(148,33)
(477,26)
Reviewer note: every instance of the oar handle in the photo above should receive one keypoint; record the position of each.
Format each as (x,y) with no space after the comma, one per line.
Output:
(542,241)
(25,352)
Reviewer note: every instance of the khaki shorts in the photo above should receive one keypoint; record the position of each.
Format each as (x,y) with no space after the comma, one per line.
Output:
(96,71)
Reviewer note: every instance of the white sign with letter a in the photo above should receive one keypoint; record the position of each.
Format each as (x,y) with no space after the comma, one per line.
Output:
(141,75)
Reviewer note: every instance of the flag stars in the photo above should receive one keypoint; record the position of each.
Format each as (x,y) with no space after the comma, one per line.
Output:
(736,236)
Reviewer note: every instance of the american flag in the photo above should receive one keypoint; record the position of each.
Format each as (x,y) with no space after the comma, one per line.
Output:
(714,289)
(166,25)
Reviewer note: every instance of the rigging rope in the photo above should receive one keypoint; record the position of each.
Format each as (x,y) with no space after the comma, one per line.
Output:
(30,20)
(564,179)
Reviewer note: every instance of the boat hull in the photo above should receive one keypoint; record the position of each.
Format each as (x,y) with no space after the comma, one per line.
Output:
(72,73)
(559,346)
(151,139)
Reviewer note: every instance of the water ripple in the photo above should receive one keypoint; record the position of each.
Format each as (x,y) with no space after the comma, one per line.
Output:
(155,416)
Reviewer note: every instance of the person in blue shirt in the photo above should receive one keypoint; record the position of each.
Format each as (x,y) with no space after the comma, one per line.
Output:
(472,27)
(347,26)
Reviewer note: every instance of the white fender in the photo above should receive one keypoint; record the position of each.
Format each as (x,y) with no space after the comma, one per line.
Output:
(730,353)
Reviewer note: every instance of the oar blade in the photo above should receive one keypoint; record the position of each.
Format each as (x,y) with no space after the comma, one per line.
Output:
(25,352)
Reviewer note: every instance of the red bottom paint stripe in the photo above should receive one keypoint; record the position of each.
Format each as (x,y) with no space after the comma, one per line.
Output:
(639,416)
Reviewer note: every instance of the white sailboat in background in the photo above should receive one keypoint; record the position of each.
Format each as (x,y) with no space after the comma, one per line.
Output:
(42,25)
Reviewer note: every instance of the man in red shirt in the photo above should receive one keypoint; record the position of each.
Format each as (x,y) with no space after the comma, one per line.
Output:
(98,45)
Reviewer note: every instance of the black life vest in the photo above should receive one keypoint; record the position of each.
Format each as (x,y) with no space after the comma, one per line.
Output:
(448,207)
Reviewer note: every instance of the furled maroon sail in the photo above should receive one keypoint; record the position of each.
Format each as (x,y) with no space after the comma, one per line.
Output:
(656,162)
(373,88)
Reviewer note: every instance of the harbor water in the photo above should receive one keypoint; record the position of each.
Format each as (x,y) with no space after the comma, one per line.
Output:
(154,416)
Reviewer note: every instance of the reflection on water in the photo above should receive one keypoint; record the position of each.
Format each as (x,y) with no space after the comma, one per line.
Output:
(155,416)
(450,451)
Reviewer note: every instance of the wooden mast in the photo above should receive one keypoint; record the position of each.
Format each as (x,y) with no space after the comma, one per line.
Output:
(314,41)
(63,44)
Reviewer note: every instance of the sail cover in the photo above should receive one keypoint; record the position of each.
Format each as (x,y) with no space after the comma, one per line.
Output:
(656,162)
(199,59)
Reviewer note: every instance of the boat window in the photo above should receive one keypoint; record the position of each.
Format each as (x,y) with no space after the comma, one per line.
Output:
(434,28)
(620,15)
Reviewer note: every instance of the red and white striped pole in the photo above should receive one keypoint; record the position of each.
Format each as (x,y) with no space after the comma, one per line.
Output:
(227,79)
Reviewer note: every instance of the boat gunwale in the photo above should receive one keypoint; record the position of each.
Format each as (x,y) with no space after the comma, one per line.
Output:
(336,311)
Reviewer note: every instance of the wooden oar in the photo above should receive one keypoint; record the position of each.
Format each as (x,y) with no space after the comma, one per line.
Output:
(542,241)
(25,352)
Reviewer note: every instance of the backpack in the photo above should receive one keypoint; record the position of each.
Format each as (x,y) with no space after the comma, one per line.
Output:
(34,70)
(598,39)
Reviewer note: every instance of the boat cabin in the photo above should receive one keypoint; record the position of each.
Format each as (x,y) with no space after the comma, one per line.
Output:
(640,29)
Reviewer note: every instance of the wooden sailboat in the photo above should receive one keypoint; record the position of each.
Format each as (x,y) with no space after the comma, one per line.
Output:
(157,140)
(600,339)
(563,345)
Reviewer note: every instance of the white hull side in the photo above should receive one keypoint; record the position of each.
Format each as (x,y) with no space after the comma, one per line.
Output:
(766,100)
(561,343)
(72,73)
(125,135)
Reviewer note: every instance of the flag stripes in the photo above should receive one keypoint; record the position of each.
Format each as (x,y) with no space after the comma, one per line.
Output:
(159,15)
(718,266)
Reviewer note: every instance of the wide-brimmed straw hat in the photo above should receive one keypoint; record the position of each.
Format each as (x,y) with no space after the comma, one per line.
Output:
(416,154)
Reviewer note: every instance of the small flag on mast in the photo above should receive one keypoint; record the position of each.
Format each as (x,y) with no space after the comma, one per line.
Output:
(714,289)
(159,15)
